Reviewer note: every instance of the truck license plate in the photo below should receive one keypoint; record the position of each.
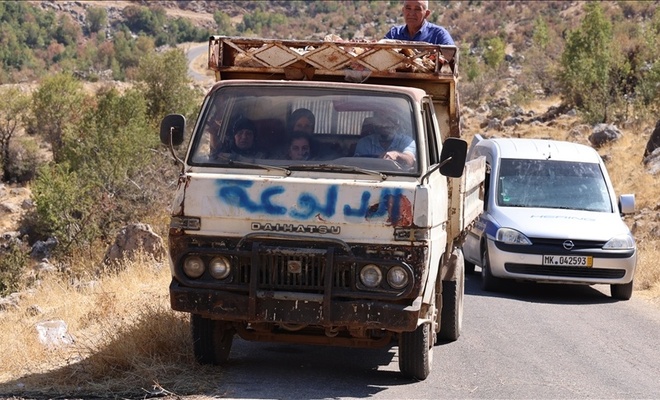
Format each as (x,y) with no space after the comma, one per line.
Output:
(576,261)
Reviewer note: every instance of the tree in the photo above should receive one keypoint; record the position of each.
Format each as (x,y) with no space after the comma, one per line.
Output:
(540,36)
(163,80)
(586,64)
(97,18)
(13,110)
(494,53)
(223,23)
(105,177)
(58,102)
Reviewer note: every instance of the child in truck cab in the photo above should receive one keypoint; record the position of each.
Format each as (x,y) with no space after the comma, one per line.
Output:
(386,142)
(300,147)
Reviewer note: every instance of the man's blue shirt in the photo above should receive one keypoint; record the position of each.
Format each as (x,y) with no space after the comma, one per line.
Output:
(430,33)
(370,146)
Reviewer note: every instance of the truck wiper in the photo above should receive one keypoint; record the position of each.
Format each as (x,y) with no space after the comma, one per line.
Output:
(338,167)
(230,161)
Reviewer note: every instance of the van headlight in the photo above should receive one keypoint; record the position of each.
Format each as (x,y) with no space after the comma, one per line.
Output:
(511,236)
(371,276)
(623,242)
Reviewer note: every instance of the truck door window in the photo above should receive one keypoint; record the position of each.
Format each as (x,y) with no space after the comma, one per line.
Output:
(430,130)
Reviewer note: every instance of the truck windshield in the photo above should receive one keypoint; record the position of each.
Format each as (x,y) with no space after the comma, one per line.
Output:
(552,184)
(293,126)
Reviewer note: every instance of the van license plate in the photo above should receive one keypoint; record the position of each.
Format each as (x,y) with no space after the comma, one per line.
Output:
(575,261)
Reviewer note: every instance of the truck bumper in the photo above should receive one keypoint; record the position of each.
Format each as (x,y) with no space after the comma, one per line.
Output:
(295,308)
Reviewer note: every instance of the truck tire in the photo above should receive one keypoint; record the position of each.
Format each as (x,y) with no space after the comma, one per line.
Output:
(451,321)
(622,292)
(489,282)
(416,352)
(211,340)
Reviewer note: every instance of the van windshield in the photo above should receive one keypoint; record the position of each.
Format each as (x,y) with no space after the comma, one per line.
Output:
(552,184)
(300,128)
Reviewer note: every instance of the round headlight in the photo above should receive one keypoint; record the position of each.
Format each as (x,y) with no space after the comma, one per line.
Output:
(220,267)
(193,267)
(371,276)
(397,277)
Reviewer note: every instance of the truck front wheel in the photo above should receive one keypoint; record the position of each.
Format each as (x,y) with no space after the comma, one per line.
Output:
(211,340)
(416,352)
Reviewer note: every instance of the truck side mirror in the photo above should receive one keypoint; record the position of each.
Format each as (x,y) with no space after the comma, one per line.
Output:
(452,158)
(172,128)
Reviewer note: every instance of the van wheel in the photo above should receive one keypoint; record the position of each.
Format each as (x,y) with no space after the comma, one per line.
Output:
(451,321)
(416,352)
(622,292)
(489,282)
(212,340)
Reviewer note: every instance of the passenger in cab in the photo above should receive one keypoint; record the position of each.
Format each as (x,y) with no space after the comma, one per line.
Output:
(242,140)
(300,147)
(387,142)
(301,120)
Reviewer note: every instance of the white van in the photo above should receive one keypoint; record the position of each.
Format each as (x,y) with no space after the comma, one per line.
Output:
(550,215)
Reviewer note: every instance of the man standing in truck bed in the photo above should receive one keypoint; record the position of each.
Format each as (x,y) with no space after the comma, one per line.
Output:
(417,28)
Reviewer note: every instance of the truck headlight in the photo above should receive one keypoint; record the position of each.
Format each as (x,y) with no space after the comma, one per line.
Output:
(220,267)
(371,276)
(193,267)
(397,277)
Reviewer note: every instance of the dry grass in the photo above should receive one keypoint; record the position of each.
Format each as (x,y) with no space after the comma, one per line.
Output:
(127,341)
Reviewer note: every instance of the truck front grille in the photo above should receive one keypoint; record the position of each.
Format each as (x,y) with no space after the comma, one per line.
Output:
(294,269)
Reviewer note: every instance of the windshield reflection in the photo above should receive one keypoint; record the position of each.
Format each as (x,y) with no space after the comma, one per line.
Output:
(552,184)
(289,127)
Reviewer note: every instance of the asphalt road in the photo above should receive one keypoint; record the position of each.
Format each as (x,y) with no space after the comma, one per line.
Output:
(531,341)
(193,51)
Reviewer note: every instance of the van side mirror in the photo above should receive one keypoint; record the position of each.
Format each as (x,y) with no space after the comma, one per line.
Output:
(627,203)
(172,128)
(452,158)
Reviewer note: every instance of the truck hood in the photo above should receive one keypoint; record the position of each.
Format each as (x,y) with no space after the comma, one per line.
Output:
(237,205)
(557,223)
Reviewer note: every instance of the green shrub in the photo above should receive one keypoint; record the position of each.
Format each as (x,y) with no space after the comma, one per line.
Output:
(23,162)
(14,260)
(494,52)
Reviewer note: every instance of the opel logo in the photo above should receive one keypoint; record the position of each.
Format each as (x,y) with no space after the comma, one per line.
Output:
(568,244)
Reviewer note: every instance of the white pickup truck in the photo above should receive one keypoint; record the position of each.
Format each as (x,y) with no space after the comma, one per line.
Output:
(357,242)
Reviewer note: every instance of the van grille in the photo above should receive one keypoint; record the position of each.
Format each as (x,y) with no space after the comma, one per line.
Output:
(567,272)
